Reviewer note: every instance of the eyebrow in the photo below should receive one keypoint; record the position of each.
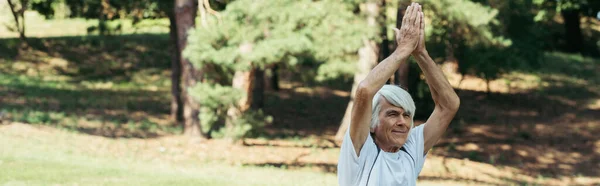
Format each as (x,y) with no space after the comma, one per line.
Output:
(390,111)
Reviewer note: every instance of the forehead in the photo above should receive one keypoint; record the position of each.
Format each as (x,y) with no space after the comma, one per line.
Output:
(387,106)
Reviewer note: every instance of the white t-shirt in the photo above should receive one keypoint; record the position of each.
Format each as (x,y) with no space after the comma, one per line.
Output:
(385,168)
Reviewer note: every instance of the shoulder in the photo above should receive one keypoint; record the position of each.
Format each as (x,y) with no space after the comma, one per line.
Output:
(416,134)
(415,143)
(347,149)
(351,166)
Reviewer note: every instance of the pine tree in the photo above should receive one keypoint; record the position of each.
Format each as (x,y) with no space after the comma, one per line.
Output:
(256,34)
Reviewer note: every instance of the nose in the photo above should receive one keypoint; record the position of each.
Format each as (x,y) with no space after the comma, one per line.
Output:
(401,121)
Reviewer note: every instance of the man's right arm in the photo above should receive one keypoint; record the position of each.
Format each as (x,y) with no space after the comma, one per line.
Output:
(407,38)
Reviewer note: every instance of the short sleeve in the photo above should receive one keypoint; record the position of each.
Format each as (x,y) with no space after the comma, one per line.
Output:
(350,165)
(415,145)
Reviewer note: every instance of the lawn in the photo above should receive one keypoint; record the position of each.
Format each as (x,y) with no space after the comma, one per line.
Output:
(48,156)
(83,109)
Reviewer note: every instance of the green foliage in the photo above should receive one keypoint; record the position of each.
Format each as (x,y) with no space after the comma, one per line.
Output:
(259,34)
(215,100)
(249,124)
(589,7)
(485,44)
(276,32)
(215,95)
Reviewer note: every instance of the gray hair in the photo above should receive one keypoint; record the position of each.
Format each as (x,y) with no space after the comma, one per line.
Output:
(395,96)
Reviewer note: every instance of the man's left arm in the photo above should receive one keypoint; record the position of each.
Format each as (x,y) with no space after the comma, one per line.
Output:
(445,99)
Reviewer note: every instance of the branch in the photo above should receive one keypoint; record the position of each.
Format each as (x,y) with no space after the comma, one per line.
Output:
(24,4)
(14,13)
(211,11)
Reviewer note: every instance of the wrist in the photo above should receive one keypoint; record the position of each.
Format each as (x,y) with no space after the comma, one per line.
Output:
(421,54)
(402,53)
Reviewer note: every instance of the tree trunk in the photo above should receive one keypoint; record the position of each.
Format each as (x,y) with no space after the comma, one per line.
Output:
(19,15)
(384,48)
(185,14)
(242,80)
(573,34)
(22,15)
(258,91)
(367,60)
(401,75)
(275,78)
(176,101)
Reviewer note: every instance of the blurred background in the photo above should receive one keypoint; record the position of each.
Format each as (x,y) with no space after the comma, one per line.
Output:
(259,92)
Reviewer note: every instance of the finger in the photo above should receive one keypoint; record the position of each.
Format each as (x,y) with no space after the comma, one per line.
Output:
(422,21)
(396,33)
(410,14)
(419,20)
(415,14)
(406,15)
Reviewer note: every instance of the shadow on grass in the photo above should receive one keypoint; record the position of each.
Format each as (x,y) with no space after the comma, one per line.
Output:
(472,181)
(328,145)
(323,167)
(303,114)
(109,113)
(549,132)
(125,65)
(91,58)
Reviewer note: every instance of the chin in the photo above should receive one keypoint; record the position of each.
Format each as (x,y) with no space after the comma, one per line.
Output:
(401,143)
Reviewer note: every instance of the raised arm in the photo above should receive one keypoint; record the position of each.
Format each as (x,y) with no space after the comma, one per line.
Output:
(407,38)
(445,99)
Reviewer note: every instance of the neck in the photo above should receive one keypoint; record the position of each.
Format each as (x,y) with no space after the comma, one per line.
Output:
(386,147)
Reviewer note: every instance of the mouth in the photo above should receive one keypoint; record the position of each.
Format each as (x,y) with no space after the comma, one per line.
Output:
(399,131)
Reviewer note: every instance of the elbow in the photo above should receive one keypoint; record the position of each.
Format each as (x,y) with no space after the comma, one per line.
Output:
(454,103)
(363,90)
(450,105)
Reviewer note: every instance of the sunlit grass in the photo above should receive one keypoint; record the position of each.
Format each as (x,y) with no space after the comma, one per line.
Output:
(38,26)
(35,157)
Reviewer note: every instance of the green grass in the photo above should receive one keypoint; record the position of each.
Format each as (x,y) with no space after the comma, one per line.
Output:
(119,84)
(59,158)
(95,171)
(38,26)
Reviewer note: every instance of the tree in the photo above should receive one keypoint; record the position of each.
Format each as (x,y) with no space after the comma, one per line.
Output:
(181,14)
(176,100)
(254,35)
(570,11)
(185,15)
(18,11)
(474,38)
(368,56)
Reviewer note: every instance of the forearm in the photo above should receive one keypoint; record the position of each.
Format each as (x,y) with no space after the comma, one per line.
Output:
(441,91)
(384,70)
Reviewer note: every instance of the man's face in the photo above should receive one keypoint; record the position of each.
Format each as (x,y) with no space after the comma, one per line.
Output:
(394,125)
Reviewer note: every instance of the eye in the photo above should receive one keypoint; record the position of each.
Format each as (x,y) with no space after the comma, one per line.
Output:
(406,115)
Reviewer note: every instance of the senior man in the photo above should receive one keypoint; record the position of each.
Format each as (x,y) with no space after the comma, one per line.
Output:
(382,146)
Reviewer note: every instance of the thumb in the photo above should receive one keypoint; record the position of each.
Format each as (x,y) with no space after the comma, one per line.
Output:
(396,33)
